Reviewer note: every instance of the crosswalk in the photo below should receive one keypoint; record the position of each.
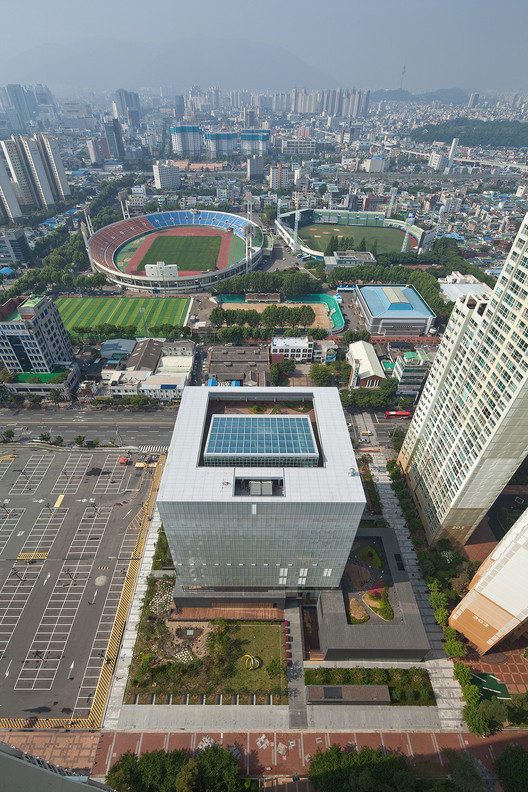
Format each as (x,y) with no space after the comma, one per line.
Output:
(151,449)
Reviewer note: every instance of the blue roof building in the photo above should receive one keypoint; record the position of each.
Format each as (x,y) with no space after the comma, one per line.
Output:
(394,310)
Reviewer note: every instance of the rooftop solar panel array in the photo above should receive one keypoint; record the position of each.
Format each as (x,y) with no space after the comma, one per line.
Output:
(262,440)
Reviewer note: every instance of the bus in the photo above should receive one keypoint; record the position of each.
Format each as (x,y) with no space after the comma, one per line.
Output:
(397,414)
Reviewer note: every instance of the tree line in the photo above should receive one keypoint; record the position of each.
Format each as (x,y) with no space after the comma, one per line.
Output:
(271,316)
(289,283)
(473,132)
(347,243)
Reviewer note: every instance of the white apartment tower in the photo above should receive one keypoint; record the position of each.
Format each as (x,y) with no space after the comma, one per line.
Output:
(38,177)
(497,602)
(470,430)
(166,175)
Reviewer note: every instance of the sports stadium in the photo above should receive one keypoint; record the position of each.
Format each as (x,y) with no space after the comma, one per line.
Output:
(316,226)
(178,251)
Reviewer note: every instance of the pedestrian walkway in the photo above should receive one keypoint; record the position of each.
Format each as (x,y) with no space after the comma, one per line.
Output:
(263,752)
(153,449)
(296,688)
(446,688)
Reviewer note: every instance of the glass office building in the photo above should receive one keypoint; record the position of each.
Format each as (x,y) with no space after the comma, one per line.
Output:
(254,502)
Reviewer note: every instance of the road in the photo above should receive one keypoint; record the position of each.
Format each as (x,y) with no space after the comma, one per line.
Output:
(126,427)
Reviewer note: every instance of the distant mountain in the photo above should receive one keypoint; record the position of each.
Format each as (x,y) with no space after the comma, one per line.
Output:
(444,95)
(105,63)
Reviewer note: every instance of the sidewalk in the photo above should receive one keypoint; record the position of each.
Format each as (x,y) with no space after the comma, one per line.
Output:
(446,688)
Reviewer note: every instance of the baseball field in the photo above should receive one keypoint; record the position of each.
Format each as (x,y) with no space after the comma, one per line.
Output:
(389,240)
(122,311)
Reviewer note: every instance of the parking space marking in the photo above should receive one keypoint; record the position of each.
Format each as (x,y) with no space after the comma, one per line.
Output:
(44,531)
(44,656)
(111,477)
(30,477)
(72,474)
(14,595)
(5,463)
(89,533)
(8,524)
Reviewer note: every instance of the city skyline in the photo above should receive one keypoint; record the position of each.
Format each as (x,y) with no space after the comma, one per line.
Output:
(280,46)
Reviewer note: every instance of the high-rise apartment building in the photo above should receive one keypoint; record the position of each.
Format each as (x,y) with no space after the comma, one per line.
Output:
(38,177)
(497,602)
(33,336)
(114,139)
(279,177)
(9,206)
(126,107)
(166,175)
(254,141)
(469,433)
(220,144)
(186,140)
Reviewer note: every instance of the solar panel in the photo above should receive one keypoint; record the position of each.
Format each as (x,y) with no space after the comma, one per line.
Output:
(271,439)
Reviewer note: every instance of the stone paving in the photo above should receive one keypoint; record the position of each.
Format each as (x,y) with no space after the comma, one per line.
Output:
(268,753)
(446,689)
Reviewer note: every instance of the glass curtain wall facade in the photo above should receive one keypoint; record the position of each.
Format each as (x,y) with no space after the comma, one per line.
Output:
(260,527)
(470,430)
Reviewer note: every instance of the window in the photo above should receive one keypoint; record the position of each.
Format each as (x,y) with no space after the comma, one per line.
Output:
(327,572)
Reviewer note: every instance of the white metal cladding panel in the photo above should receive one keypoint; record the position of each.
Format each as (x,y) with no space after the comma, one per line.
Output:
(506,582)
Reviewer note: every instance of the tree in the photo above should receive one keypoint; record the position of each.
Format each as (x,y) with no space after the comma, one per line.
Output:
(397,437)
(274,374)
(8,434)
(475,719)
(495,711)
(512,769)
(218,769)
(321,375)
(45,437)
(366,771)
(463,772)
(58,440)
(55,395)
(15,398)
(187,778)
(79,440)
(123,776)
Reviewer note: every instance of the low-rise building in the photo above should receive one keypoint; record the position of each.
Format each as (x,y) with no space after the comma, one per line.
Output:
(410,369)
(394,310)
(348,258)
(246,365)
(300,349)
(367,371)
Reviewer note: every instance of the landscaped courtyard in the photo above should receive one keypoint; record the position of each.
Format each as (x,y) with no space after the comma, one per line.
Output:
(211,662)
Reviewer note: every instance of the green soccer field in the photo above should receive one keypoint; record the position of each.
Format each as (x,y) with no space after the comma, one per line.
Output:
(317,235)
(193,253)
(122,311)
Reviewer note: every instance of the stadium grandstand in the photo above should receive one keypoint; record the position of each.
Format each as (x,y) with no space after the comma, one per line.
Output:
(118,250)
(420,240)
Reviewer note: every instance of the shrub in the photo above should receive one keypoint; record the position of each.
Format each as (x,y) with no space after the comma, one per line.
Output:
(461,671)
(454,648)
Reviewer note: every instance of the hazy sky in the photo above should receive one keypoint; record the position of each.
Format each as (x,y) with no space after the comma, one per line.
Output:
(473,44)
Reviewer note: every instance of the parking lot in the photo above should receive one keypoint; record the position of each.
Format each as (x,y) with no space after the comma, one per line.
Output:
(69,526)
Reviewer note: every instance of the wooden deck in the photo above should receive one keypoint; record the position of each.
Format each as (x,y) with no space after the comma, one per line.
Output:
(229,610)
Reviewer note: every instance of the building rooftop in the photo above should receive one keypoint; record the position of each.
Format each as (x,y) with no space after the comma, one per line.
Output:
(335,479)
(369,364)
(394,302)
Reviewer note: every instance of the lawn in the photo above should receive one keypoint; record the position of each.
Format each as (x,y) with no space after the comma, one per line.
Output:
(122,311)
(219,668)
(197,253)
(389,240)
